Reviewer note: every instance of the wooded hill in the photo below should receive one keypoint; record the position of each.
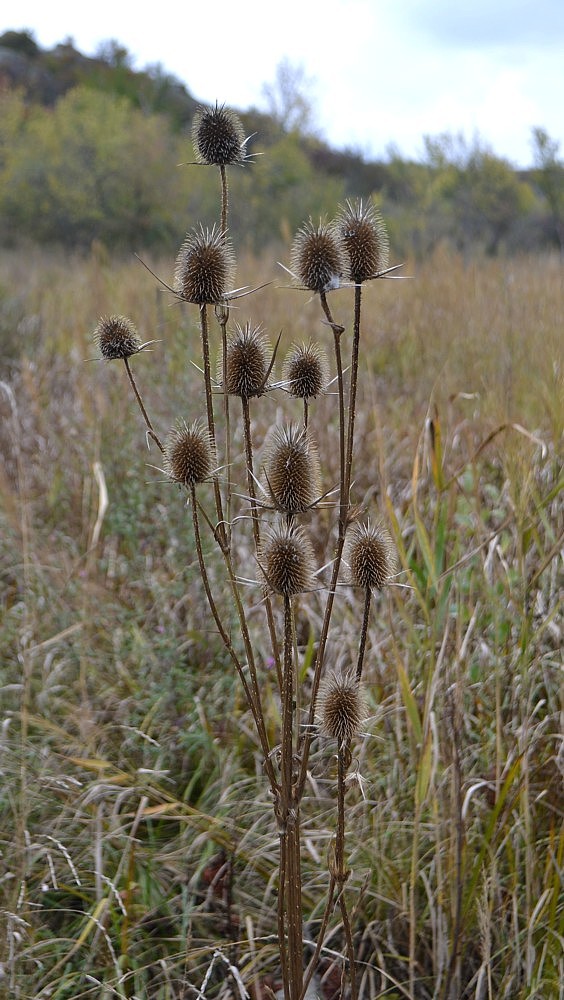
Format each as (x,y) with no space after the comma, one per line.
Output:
(90,150)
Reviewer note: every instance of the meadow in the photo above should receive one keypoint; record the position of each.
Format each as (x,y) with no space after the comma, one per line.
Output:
(138,847)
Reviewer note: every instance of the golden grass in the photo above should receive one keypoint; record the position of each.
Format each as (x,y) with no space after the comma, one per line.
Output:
(128,757)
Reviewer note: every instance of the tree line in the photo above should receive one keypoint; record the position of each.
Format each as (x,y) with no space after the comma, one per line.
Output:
(91,150)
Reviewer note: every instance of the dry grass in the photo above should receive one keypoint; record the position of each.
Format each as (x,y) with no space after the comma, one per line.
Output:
(136,834)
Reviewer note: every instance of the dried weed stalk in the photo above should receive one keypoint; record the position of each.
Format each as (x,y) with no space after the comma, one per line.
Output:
(281,497)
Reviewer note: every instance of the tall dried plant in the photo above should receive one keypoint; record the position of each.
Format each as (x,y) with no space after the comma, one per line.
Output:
(271,511)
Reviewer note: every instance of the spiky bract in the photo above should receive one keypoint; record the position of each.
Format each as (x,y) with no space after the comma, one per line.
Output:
(317,258)
(342,707)
(292,470)
(247,362)
(364,239)
(218,135)
(204,267)
(116,337)
(189,453)
(370,556)
(305,371)
(287,561)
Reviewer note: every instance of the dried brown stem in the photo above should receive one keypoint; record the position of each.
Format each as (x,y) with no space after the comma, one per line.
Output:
(150,429)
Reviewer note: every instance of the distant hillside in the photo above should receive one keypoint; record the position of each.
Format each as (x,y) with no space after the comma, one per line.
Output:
(45,75)
(90,147)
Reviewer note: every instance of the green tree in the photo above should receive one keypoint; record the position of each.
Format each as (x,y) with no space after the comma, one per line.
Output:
(91,168)
(477,196)
(549,176)
(287,99)
(270,204)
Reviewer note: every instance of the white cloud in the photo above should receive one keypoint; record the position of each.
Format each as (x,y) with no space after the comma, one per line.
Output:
(384,73)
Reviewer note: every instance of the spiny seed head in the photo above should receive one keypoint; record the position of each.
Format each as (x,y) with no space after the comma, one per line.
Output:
(342,707)
(364,239)
(218,135)
(370,556)
(287,561)
(204,266)
(305,370)
(317,258)
(247,362)
(189,454)
(116,337)
(292,470)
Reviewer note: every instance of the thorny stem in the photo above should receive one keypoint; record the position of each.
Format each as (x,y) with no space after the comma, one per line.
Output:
(222,314)
(289,818)
(353,387)
(344,489)
(252,696)
(321,935)
(224,197)
(341,872)
(204,330)
(151,431)
(221,534)
(337,333)
(281,913)
(256,530)
(363,633)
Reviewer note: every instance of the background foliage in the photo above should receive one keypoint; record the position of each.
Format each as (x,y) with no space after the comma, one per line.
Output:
(90,149)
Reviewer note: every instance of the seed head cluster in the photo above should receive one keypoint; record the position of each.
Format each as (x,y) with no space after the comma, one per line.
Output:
(292,470)
(204,267)
(189,454)
(287,561)
(305,371)
(363,235)
(317,258)
(341,707)
(116,337)
(247,362)
(370,556)
(218,136)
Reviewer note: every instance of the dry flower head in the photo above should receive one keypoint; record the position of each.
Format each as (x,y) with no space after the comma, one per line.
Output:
(117,337)
(204,267)
(342,706)
(247,362)
(189,453)
(305,371)
(292,470)
(287,560)
(317,258)
(364,239)
(218,135)
(370,556)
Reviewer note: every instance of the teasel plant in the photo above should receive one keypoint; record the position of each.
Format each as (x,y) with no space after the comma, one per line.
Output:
(282,492)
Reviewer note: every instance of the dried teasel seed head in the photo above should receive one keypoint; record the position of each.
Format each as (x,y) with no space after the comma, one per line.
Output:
(305,371)
(342,707)
(204,267)
(317,258)
(364,239)
(218,135)
(287,561)
(116,337)
(292,470)
(189,453)
(247,362)
(370,556)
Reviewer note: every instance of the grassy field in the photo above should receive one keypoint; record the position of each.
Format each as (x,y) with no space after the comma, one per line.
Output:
(138,846)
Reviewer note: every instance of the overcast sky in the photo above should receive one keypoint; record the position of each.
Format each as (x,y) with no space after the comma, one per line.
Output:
(381,73)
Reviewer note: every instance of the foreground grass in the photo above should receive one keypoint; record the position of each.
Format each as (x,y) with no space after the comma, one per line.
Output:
(137,839)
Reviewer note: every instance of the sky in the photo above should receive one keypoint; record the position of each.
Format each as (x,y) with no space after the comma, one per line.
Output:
(379,75)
